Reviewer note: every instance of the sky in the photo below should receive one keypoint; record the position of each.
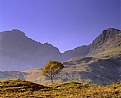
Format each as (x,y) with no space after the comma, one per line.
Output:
(66,24)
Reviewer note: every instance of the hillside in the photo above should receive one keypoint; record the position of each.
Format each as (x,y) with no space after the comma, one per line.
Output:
(84,70)
(24,89)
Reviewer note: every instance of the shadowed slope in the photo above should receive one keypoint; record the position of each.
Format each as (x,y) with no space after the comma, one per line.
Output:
(19,86)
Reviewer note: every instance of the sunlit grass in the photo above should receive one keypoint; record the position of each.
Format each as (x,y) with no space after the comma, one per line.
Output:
(24,89)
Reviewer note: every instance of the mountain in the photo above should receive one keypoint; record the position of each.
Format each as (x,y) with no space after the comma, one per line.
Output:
(18,52)
(102,65)
(107,43)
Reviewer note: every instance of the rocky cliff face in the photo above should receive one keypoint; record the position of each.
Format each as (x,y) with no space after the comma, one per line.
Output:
(108,40)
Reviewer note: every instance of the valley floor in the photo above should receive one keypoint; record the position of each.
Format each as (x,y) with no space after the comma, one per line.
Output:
(26,89)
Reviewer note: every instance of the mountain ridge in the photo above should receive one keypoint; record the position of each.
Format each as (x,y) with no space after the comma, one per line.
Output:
(19,50)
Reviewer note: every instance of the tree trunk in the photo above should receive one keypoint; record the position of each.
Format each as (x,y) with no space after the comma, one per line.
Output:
(52,77)
(51,80)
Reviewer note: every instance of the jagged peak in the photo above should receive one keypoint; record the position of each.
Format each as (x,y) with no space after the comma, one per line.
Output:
(14,32)
(108,33)
(112,29)
(48,44)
